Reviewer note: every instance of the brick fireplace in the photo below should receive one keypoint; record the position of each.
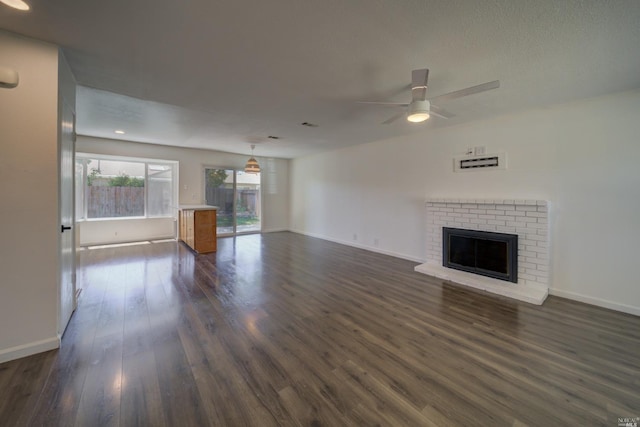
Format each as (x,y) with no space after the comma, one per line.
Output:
(528,219)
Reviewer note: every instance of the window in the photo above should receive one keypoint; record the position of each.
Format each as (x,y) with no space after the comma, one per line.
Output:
(119,187)
(160,189)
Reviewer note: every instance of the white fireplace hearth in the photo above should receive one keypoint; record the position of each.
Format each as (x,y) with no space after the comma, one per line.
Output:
(529,219)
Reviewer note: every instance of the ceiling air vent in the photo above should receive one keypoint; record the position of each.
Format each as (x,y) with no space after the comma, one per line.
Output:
(483,162)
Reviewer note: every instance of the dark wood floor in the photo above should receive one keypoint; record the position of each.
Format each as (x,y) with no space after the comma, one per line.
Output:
(282,329)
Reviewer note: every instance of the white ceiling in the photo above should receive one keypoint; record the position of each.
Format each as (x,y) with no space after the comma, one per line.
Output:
(224,74)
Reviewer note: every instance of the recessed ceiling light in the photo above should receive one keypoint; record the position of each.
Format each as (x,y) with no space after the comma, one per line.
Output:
(120,132)
(16,4)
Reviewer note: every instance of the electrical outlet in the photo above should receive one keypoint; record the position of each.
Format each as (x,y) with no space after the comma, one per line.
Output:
(480,151)
(355,237)
(376,241)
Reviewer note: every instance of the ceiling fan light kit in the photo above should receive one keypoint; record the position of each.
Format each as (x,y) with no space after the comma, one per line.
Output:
(419,111)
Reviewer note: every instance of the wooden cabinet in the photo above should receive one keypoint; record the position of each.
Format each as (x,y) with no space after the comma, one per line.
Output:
(198,228)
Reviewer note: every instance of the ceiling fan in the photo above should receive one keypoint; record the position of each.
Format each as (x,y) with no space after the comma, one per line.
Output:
(420,108)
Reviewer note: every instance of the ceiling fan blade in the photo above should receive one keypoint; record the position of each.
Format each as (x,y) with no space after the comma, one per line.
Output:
(468,91)
(390,104)
(439,112)
(393,118)
(419,80)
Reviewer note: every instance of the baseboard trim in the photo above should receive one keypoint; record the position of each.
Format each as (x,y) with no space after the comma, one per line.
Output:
(25,350)
(275,230)
(596,301)
(359,246)
(125,241)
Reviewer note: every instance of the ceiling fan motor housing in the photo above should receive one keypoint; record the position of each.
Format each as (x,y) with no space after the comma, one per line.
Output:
(419,111)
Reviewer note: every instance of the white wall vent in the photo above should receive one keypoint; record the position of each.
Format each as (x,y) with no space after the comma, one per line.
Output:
(483,162)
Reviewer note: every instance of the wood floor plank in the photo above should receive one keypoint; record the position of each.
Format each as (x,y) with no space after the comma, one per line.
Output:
(141,401)
(286,330)
(100,400)
(21,384)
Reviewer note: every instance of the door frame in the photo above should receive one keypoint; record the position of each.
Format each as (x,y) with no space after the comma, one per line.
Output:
(63,320)
(235,188)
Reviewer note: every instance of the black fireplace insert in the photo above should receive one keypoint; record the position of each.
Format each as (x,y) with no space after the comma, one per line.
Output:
(481,252)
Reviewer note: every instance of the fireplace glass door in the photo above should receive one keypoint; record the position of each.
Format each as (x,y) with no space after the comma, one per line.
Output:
(480,252)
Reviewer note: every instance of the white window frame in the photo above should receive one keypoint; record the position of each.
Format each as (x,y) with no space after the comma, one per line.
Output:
(174,184)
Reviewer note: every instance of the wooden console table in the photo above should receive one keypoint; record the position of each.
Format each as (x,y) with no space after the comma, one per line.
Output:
(197,227)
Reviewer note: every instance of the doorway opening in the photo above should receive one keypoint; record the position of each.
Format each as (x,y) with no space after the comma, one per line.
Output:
(238,198)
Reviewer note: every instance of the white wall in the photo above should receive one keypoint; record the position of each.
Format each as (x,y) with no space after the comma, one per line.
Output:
(582,157)
(29,199)
(120,230)
(275,189)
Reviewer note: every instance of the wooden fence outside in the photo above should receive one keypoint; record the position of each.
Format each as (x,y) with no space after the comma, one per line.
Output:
(222,197)
(110,202)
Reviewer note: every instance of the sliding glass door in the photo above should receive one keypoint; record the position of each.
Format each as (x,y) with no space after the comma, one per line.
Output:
(237,196)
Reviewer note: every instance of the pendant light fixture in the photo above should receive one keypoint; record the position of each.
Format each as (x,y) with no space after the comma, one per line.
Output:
(252,165)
